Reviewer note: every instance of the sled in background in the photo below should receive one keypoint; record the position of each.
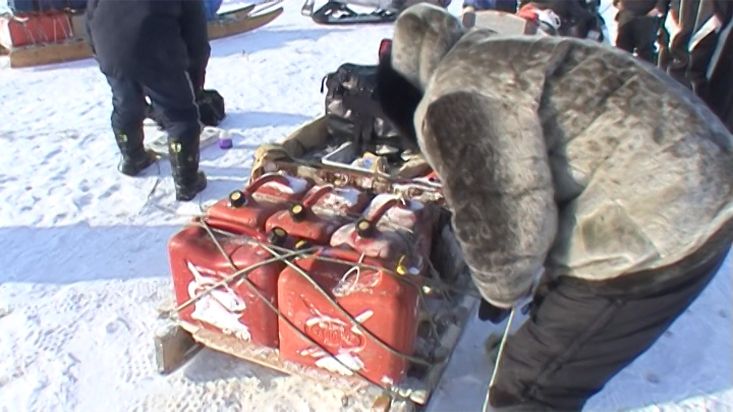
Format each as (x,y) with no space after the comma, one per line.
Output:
(56,37)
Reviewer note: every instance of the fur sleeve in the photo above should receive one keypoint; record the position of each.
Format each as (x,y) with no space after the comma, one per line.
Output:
(492,159)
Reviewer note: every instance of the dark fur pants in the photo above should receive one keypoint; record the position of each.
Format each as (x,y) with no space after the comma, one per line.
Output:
(581,333)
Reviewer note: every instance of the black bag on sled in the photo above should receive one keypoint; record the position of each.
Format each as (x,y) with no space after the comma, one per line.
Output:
(210,104)
(353,112)
(211,107)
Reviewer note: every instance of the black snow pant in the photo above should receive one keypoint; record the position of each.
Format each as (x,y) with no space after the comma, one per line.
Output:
(172,96)
(639,34)
(721,82)
(691,68)
(581,333)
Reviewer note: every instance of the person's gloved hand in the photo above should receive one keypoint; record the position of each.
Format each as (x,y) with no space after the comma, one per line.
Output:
(525,303)
(494,314)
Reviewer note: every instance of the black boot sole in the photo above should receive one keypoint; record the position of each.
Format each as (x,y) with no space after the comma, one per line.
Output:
(133,169)
(187,193)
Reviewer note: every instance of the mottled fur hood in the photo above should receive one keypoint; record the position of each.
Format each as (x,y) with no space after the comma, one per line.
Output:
(423,36)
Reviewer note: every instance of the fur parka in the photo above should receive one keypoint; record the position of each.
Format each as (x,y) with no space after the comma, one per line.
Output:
(562,154)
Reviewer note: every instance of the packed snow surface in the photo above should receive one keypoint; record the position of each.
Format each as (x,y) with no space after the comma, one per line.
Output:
(84,261)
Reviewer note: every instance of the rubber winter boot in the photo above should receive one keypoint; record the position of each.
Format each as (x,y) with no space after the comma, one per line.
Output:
(135,158)
(184,167)
(186,191)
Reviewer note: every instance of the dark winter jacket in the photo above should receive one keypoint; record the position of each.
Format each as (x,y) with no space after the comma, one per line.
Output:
(630,10)
(147,37)
(641,7)
(564,154)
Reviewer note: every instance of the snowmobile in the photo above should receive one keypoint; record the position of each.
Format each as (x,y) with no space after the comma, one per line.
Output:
(339,12)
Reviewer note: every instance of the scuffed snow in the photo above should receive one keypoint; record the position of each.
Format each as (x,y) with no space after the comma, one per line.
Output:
(84,270)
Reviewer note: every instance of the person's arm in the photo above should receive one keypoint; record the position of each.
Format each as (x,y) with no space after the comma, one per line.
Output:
(662,6)
(195,34)
(491,156)
(660,9)
(89,15)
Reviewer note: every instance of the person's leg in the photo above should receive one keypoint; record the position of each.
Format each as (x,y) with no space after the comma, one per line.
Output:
(697,70)
(646,30)
(625,37)
(663,54)
(173,98)
(128,113)
(579,336)
(721,82)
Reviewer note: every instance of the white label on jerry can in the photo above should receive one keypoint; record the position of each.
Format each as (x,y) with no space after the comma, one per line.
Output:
(335,333)
(221,307)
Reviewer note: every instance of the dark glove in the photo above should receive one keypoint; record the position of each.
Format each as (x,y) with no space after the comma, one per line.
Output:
(489,312)
(211,107)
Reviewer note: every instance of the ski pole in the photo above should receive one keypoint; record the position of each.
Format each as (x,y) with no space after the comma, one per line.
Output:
(507,329)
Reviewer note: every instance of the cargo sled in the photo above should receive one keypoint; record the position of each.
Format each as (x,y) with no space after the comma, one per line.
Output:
(60,36)
(333,264)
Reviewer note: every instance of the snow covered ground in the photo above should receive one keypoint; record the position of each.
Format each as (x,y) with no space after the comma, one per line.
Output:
(83,263)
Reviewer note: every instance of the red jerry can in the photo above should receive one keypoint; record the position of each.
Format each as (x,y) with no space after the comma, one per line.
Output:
(251,208)
(323,210)
(433,177)
(391,229)
(380,303)
(18,31)
(234,309)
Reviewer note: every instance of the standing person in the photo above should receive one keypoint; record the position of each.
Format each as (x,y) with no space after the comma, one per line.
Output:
(638,26)
(663,37)
(148,48)
(573,161)
(699,51)
(720,97)
(699,25)
(575,17)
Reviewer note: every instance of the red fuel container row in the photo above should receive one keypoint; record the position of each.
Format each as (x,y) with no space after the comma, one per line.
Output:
(31,29)
(349,229)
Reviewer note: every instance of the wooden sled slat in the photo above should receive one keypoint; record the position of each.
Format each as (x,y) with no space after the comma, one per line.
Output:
(229,27)
(269,358)
(233,23)
(417,390)
(49,53)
